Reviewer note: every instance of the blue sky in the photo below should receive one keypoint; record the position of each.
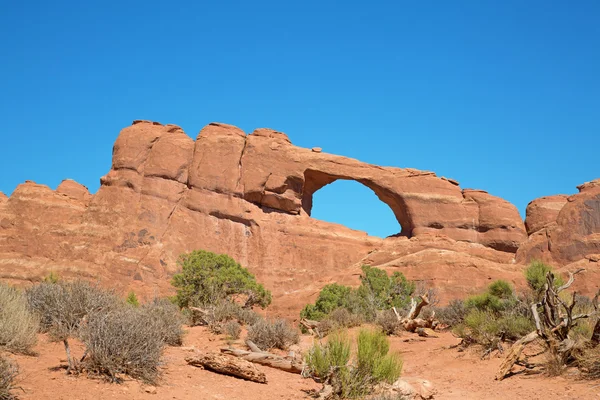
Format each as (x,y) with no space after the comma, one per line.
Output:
(501,95)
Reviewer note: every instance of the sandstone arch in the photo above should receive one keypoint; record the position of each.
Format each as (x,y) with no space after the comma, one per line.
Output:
(315,180)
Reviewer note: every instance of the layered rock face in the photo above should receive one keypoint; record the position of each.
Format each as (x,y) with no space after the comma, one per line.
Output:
(250,196)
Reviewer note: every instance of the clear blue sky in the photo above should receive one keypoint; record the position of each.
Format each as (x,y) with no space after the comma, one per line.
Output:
(500,95)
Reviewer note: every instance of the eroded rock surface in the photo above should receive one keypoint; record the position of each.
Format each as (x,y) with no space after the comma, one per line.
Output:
(250,196)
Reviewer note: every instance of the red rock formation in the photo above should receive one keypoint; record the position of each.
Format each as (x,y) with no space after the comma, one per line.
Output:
(250,196)
(567,235)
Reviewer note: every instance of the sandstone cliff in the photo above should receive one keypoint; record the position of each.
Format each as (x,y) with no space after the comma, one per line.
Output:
(250,196)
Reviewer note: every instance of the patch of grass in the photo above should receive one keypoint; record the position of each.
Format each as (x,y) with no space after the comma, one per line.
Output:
(277,334)
(18,326)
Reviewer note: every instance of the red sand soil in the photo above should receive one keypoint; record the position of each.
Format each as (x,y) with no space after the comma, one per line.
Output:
(454,375)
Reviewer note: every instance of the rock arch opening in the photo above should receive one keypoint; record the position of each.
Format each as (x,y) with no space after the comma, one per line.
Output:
(355,203)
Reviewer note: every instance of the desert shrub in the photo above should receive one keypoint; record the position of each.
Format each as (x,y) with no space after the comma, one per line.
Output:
(132,299)
(18,326)
(331,297)
(207,278)
(453,314)
(373,358)
(166,319)
(377,292)
(388,322)
(63,307)
(493,316)
(321,359)
(486,327)
(122,341)
(535,274)
(232,329)
(273,334)
(384,291)
(588,361)
(498,297)
(216,315)
(330,363)
(8,373)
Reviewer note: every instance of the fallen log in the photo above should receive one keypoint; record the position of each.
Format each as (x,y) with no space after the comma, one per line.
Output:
(266,359)
(227,365)
(514,353)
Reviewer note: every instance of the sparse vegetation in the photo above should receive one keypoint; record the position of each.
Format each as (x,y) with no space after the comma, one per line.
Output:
(232,329)
(490,317)
(63,307)
(330,364)
(132,299)
(377,292)
(123,341)
(536,274)
(18,326)
(277,334)
(165,318)
(8,373)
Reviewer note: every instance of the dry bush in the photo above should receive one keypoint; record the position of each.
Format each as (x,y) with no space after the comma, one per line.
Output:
(8,373)
(453,314)
(123,341)
(273,334)
(232,329)
(18,326)
(388,322)
(165,317)
(62,306)
(588,361)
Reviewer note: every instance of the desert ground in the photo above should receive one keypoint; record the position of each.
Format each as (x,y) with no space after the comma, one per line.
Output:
(454,375)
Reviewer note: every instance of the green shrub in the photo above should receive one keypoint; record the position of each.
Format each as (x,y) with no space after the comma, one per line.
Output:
(487,327)
(18,326)
(273,334)
(385,291)
(8,373)
(207,278)
(324,358)
(329,363)
(498,297)
(166,319)
(536,277)
(331,297)
(501,289)
(377,292)
(132,299)
(123,341)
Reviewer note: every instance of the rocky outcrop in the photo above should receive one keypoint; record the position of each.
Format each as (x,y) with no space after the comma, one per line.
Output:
(566,234)
(543,212)
(250,196)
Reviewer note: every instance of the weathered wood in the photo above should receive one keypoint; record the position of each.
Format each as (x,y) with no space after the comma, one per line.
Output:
(514,353)
(596,334)
(253,347)
(266,359)
(227,365)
